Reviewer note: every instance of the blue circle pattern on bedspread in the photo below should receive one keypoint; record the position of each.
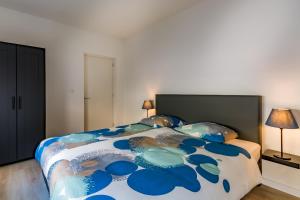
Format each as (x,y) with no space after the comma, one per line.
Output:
(121,168)
(156,163)
(79,186)
(100,197)
(60,143)
(146,180)
(226,149)
(226,185)
(122,144)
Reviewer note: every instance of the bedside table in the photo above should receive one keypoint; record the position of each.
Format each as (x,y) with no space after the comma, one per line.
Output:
(294,162)
(280,174)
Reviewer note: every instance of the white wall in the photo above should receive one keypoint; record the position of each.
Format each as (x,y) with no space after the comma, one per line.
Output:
(65,49)
(216,47)
(247,47)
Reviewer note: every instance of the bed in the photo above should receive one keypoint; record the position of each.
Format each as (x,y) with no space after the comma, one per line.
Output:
(136,161)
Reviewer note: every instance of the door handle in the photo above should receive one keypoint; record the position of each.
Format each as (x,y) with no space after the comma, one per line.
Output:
(86,99)
(20,103)
(13,102)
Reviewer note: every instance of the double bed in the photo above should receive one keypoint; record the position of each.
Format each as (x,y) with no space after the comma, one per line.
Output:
(136,161)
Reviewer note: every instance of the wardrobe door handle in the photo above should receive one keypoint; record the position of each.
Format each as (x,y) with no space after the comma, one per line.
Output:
(20,102)
(13,102)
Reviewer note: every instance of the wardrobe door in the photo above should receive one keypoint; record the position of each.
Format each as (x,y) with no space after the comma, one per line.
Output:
(7,103)
(30,100)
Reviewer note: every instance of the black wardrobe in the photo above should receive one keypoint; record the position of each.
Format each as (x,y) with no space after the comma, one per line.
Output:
(22,101)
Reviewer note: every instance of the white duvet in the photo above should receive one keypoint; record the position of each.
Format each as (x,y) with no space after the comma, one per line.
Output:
(157,164)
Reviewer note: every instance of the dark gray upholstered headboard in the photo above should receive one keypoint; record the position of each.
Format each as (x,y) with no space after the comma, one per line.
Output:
(241,113)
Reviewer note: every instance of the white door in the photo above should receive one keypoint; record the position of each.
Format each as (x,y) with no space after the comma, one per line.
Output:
(98,92)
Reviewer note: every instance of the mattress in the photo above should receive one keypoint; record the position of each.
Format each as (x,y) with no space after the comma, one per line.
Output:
(253,148)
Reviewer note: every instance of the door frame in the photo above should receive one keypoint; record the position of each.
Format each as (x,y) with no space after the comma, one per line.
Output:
(113,84)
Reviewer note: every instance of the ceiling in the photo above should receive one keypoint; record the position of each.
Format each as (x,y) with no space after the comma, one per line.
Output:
(120,18)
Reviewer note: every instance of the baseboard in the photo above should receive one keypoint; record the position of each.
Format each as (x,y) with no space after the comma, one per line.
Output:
(17,161)
(281,187)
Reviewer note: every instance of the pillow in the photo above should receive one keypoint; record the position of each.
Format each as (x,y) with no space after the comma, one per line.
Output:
(209,131)
(163,121)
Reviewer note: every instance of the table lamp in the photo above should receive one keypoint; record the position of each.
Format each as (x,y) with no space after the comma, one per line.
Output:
(147,105)
(283,119)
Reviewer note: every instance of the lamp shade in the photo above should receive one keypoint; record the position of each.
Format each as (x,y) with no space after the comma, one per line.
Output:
(148,104)
(282,118)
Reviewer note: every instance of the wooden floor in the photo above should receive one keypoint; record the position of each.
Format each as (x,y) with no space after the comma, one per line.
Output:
(266,193)
(24,181)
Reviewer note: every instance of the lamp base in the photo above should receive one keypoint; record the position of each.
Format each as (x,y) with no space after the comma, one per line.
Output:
(282,158)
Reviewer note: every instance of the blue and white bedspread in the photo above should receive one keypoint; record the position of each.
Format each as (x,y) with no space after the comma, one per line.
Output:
(137,162)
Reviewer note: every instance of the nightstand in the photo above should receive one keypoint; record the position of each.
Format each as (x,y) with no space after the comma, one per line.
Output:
(283,175)
(294,162)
